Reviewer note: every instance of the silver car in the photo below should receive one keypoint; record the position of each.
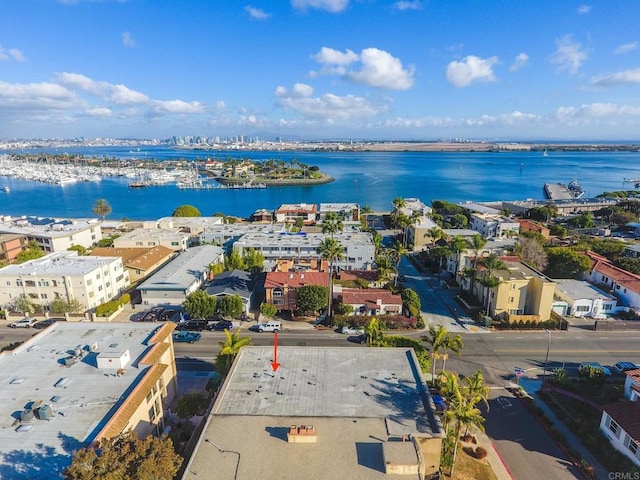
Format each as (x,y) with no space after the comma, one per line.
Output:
(24,323)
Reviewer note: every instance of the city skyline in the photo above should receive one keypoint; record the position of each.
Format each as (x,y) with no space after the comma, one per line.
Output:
(314,69)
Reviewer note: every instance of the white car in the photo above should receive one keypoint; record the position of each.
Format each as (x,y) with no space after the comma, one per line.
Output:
(24,323)
(348,330)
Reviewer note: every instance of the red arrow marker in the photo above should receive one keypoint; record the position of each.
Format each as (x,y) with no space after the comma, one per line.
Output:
(275,364)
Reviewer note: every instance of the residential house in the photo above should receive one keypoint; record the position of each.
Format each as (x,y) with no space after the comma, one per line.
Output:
(185,274)
(290,213)
(53,234)
(281,287)
(150,237)
(624,285)
(632,250)
(91,281)
(121,376)
(493,225)
(139,262)
(529,226)
(620,423)
(415,206)
(464,259)
(521,294)
(11,244)
(234,282)
(371,277)
(348,212)
(191,225)
(262,216)
(582,299)
(372,301)
(632,385)
(418,233)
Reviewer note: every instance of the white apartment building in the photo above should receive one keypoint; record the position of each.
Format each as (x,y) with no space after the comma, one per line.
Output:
(493,226)
(349,212)
(150,237)
(91,281)
(53,234)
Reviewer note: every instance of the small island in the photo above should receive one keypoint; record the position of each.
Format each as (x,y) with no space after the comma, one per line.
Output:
(248,173)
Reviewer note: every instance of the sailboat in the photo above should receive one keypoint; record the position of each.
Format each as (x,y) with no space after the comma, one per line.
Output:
(545,154)
(6,188)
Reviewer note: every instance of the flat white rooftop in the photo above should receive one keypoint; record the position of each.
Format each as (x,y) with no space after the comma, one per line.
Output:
(59,263)
(45,226)
(81,405)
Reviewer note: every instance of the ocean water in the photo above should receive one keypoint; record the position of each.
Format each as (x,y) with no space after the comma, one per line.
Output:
(368,178)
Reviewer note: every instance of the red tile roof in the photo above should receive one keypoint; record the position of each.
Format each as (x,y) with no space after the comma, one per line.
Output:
(602,265)
(296,279)
(354,296)
(627,415)
(634,374)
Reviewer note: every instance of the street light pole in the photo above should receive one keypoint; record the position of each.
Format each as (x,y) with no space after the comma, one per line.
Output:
(546,359)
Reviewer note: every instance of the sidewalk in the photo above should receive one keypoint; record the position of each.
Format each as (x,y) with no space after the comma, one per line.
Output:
(532,386)
(493,457)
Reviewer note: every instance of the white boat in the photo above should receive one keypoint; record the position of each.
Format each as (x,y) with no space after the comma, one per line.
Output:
(545,154)
(6,188)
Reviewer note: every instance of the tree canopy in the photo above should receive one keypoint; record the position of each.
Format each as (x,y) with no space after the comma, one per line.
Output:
(230,306)
(200,304)
(563,262)
(186,211)
(102,208)
(311,299)
(126,456)
(190,404)
(32,252)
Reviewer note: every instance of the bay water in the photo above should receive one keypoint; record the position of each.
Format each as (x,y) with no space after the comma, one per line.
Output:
(367,178)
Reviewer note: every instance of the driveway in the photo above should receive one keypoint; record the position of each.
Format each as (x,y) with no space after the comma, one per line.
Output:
(525,447)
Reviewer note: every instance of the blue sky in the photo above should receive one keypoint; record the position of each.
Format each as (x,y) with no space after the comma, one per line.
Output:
(366,69)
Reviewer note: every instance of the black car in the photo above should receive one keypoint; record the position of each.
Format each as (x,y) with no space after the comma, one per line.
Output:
(166,315)
(192,325)
(47,321)
(221,325)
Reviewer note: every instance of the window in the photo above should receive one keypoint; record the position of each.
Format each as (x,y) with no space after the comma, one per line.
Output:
(8,283)
(43,283)
(607,306)
(43,295)
(33,295)
(54,283)
(613,426)
(99,288)
(513,286)
(139,244)
(617,287)
(30,283)
(175,244)
(633,446)
(149,396)
(510,299)
(152,413)
(91,294)
(19,283)
(89,282)
(120,277)
(277,301)
(582,308)
(603,278)
(277,292)
(98,276)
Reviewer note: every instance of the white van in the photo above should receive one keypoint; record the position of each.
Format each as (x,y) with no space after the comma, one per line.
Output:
(271,326)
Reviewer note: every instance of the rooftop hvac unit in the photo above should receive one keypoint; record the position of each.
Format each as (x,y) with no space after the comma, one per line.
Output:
(62,382)
(26,415)
(45,412)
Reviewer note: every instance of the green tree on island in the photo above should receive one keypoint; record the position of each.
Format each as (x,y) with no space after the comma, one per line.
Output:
(102,208)
(126,456)
(186,211)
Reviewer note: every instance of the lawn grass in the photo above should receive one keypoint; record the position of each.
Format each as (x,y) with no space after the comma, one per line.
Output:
(469,468)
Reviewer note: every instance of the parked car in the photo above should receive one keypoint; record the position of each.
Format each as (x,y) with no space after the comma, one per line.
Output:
(221,325)
(167,315)
(46,322)
(361,339)
(138,316)
(188,337)
(192,325)
(605,370)
(350,330)
(622,367)
(26,322)
(271,326)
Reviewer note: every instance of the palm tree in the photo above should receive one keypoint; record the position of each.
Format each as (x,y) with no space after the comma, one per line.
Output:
(230,349)
(102,208)
(476,243)
(475,390)
(330,250)
(375,336)
(436,339)
(399,250)
(434,234)
(385,267)
(456,246)
(491,264)
(453,343)
(331,224)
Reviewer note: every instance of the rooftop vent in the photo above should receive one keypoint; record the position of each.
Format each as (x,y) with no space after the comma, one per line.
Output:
(302,434)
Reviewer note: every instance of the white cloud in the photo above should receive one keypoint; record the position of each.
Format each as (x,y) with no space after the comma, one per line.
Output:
(99,112)
(521,60)
(604,114)
(626,77)
(221,105)
(569,54)
(118,94)
(330,55)
(333,6)
(408,5)
(327,107)
(377,68)
(177,106)
(471,69)
(583,9)
(382,70)
(626,48)
(36,95)
(256,13)
(11,54)
(127,39)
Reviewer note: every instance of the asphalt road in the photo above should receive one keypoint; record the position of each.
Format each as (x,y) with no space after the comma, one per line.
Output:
(523,443)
